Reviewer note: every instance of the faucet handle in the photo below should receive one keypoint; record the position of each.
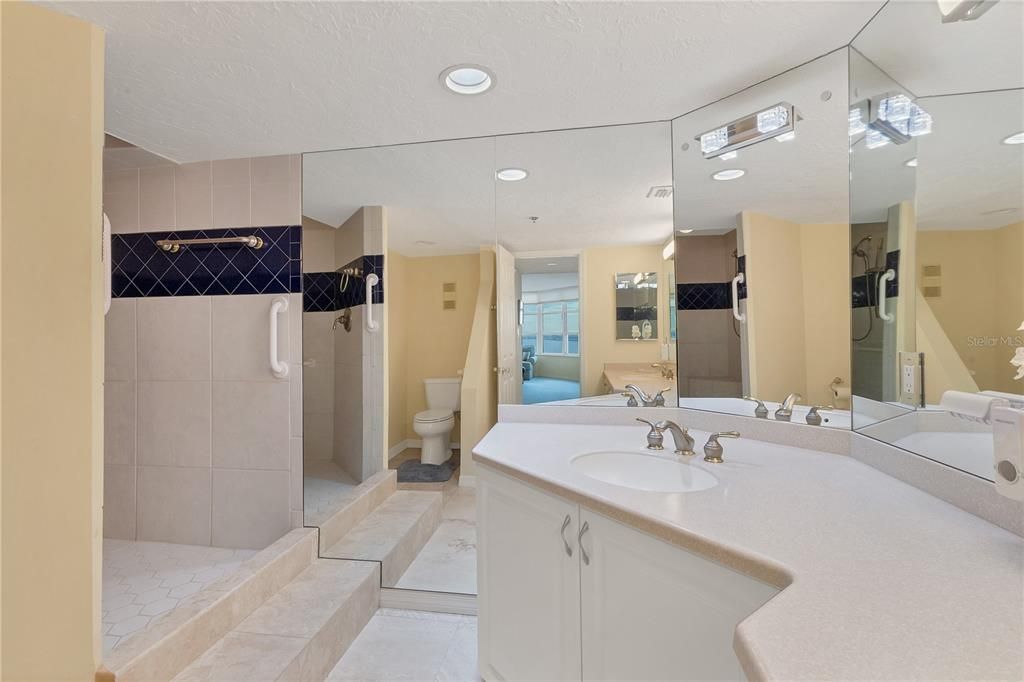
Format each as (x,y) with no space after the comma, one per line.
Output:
(813,418)
(713,449)
(655,437)
(631,399)
(659,398)
(761,412)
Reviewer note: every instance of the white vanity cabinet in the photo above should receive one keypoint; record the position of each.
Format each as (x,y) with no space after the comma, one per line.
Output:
(624,606)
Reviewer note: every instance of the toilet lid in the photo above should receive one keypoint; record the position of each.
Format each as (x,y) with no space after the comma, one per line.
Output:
(433,416)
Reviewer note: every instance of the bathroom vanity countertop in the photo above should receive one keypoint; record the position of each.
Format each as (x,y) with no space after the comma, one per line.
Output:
(879,579)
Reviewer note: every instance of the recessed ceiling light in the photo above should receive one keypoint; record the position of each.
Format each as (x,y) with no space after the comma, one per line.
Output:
(999,211)
(467,79)
(1016,138)
(685,231)
(512,174)
(552,265)
(911,163)
(424,242)
(729,174)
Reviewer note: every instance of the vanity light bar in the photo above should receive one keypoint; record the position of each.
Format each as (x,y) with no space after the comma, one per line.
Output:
(894,117)
(775,121)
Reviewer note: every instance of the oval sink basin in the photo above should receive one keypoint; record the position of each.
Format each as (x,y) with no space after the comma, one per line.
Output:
(641,471)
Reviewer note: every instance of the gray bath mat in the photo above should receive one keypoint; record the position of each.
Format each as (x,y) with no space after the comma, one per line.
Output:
(415,471)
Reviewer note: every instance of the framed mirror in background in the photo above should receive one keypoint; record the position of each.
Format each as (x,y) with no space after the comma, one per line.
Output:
(937,193)
(761,249)
(583,218)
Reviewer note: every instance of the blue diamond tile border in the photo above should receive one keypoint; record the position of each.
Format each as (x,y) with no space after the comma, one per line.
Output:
(323,291)
(141,268)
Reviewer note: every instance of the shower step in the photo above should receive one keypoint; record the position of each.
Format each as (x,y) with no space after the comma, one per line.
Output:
(393,533)
(352,508)
(299,633)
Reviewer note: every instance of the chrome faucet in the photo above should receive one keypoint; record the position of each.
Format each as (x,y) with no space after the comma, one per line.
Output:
(760,411)
(645,400)
(813,418)
(785,411)
(666,370)
(713,449)
(680,436)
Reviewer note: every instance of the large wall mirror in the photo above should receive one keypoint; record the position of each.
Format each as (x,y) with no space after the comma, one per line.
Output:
(761,259)
(937,238)
(584,222)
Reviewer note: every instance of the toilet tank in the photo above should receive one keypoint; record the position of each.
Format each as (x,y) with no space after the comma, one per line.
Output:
(443,394)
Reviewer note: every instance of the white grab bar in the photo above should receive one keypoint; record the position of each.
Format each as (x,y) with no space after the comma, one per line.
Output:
(887,276)
(736,281)
(371,282)
(278,368)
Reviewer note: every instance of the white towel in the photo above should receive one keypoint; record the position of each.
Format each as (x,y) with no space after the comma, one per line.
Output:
(973,407)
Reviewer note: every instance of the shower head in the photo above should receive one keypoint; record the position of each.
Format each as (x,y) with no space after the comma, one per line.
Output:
(857,251)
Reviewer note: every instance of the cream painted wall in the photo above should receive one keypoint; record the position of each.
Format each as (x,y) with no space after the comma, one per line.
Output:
(432,341)
(798,339)
(826,281)
(982,295)
(52,322)
(480,383)
(598,267)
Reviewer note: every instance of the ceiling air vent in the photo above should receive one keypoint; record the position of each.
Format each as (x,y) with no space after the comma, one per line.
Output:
(660,192)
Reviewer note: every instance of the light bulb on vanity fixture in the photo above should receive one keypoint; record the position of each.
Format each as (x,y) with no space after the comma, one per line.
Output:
(776,122)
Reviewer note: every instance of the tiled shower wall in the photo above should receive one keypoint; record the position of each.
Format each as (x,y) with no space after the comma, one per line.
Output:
(343,393)
(203,443)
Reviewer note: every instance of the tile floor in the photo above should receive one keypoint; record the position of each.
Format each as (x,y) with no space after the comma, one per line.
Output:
(323,484)
(411,645)
(142,580)
(447,563)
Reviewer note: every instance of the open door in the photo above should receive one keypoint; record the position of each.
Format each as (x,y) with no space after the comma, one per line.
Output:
(510,363)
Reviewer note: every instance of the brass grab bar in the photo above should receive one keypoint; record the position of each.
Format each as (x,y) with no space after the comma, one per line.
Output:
(174,245)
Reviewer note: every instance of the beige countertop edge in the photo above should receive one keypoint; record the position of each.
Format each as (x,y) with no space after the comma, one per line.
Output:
(748,563)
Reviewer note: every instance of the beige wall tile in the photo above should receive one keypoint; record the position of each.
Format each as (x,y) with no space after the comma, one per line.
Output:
(231,172)
(241,340)
(119,502)
(271,169)
(122,210)
(119,343)
(174,338)
(192,174)
(317,247)
(156,198)
(295,401)
(118,181)
(295,316)
(295,474)
(250,508)
(276,203)
(318,390)
(119,422)
(318,437)
(193,206)
(317,338)
(250,425)
(174,504)
(174,423)
(231,206)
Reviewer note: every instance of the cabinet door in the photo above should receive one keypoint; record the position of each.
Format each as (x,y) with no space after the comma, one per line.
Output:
(529,608)
(652,611)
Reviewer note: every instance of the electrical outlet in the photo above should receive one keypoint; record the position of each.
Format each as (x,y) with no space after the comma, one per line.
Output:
(910,378)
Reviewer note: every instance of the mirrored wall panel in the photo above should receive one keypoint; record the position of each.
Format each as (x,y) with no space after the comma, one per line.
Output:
(937,239)
(584,237)
(762,261)
(399,273)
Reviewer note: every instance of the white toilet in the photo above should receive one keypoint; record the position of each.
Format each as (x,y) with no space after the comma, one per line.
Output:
(434,425)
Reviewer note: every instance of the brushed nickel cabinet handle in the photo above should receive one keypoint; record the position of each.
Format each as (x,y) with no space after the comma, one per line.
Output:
(565,524)
(579,538)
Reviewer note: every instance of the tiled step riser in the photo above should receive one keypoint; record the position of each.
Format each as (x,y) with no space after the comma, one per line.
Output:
(395,564)
(378,489)
(181,636)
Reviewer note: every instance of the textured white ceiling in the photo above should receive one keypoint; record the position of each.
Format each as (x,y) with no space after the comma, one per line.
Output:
(909,42)
(204,80)
(587,187)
